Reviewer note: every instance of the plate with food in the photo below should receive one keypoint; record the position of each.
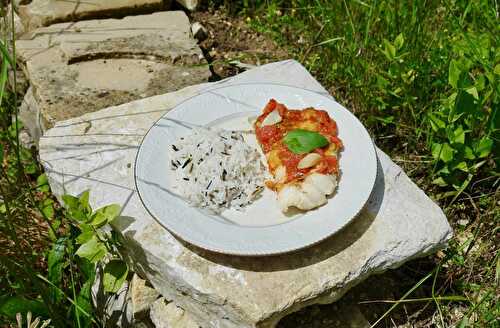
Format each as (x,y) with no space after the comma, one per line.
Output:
(256,169)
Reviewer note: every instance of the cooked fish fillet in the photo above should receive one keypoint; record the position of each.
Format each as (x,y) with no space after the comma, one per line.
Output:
(309,194)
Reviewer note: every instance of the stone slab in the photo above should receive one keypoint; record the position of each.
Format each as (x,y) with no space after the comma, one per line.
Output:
(142,296)
(165,314)
(97,152)
(76,68)
(46,12)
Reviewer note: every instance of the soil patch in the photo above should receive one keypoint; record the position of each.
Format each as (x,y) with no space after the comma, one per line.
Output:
(229,40)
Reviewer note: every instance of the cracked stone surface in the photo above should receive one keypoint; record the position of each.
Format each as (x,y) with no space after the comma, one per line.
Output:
(97,151)
(45,12)
(77,68)
(141,296)
(165,314)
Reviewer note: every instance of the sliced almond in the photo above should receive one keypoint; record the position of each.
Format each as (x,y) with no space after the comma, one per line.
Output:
(280,174)
(272,118)
(309,161)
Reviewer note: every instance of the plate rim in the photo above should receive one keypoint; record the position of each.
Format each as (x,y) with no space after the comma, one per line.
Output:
(254,253)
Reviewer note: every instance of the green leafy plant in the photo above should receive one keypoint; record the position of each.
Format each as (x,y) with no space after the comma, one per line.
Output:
(463,127)
(423,78)
(49,254)
(93,244)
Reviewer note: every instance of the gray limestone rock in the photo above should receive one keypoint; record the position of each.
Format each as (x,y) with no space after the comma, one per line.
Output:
(19,28)
(165,314)
(45,12)
(96,151)
(76,68)
(142,296)
(29,114)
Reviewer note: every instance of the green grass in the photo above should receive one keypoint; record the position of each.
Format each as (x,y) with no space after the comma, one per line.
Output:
(423,76)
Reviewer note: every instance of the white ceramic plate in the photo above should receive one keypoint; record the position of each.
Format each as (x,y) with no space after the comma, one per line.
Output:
(261,229)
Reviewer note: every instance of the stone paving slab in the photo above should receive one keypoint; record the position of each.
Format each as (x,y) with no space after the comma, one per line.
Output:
(46,12)
(76,68)
(97,152)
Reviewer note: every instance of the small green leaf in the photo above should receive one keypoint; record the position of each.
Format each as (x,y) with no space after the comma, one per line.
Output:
(473,92)
(468,153)
(446,153)
(93,250)
(462,166)
(48,208)
(115,273)
(483,147)
(457,136)
(105,215)
(70,201)
(436,150)
(42,183)
(454,72)
(436,123)
(464,103)
(55,263)
(399,41)
(84,200)
(497,69)
(303,141)
(442,151)
(86,234)
(444,171)
(440,182)
(78,207)
(389,50)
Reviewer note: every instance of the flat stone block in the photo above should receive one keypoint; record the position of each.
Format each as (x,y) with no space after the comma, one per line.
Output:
(165,314)
(97,151)
(77,68)
(45,12)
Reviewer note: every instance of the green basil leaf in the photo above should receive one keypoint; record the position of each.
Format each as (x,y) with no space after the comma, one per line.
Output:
(301,141)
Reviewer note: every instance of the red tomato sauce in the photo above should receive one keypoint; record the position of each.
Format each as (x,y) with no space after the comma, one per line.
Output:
(270,137)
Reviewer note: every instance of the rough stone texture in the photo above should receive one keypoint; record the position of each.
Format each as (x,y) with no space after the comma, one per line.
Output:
(97,152)
(142,296)
(45,12)
(76,68)
(18,25)
(165,314)
(29,114)
(189,4)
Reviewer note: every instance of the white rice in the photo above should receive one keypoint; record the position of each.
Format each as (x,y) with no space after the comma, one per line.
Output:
(216,169)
